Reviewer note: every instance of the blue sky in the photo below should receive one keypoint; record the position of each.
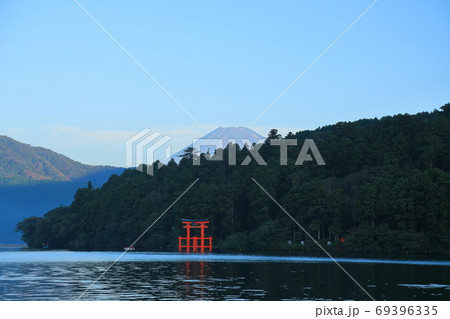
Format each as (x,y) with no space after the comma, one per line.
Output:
(66,86)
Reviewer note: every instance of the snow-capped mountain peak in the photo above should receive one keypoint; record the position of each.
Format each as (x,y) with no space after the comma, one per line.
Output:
(222,136)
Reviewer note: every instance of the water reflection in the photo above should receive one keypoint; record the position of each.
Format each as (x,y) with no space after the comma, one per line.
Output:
(163,278)
(197,279)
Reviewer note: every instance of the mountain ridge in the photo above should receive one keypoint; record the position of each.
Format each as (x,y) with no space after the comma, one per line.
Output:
(22,163)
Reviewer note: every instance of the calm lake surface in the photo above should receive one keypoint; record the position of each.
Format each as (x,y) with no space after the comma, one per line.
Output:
(65,275)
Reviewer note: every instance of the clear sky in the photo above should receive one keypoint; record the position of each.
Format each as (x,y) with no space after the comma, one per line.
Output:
(65,85)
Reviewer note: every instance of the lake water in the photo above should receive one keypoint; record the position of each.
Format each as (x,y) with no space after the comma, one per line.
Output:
(65,275)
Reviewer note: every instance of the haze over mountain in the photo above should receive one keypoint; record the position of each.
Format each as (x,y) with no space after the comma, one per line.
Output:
(34,180)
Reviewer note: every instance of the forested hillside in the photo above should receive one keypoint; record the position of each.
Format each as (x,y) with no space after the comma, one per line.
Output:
(385,188)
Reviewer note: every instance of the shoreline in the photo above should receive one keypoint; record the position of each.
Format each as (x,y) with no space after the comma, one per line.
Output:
(148,256)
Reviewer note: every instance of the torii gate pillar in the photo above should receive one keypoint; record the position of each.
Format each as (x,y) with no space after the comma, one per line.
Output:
(195,244)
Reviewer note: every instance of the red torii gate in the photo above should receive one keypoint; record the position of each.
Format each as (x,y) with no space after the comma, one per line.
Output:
(195,244)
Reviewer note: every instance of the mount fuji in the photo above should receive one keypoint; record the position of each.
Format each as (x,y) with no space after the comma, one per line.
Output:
(224,135)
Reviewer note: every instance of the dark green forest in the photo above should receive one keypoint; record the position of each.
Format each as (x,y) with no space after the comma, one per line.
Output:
(385,188)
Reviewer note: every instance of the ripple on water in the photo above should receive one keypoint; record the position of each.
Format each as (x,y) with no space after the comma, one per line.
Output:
(426,286)
(163,276)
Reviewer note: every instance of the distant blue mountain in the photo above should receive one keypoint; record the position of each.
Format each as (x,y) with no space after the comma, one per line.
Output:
(34,180)
(21,201)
